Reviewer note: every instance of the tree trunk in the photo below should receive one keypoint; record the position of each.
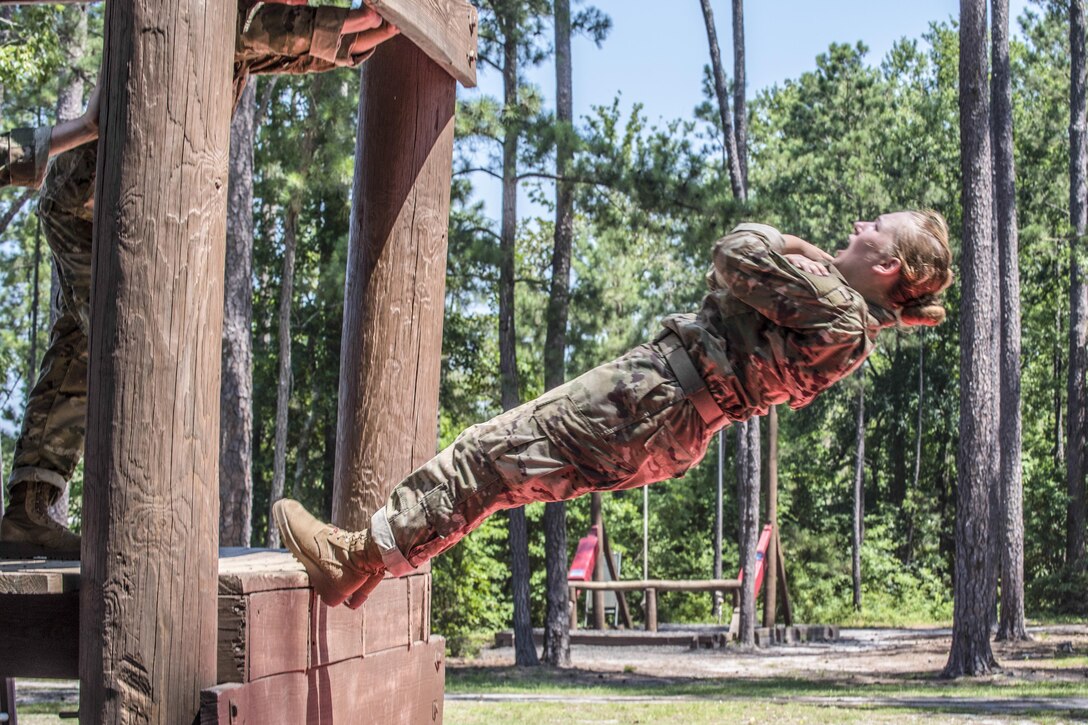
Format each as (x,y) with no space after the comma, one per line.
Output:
(283,379)
(1011,624)
(977,460)
(917,440)
(859,490)
(150,507)
(1077,415)
(524,648)
(748,478)
(721,89)
(236,388)
(740,104)
(770,569)
(718,523)
(557,617)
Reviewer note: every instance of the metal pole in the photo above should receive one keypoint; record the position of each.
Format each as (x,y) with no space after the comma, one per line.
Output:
(718,525)
(645,532)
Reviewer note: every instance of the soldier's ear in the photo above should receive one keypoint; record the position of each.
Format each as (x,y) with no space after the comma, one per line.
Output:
(888,268)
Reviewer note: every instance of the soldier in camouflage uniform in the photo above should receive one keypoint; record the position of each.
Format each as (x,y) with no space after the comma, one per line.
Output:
(272,38)
(782,322)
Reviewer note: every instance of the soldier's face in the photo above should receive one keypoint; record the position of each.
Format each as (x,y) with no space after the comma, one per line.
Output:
(869,247)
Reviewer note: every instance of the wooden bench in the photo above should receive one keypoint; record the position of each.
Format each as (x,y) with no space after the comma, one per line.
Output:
(283,656)
(650,588)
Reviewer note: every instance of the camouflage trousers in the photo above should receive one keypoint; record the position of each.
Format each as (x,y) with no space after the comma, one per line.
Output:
(50,442)
(622,425)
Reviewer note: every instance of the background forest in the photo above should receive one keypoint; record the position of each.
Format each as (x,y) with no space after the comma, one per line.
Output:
(850,138)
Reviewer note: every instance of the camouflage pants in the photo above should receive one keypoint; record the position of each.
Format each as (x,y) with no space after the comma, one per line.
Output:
(51,440)
(622,425)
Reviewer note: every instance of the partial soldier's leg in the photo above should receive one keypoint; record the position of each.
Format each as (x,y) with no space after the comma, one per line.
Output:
(623,424)
(51,441)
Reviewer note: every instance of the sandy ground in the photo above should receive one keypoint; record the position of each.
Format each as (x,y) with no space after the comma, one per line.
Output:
(859,655)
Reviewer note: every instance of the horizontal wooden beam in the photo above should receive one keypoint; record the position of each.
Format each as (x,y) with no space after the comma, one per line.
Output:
(443,29)
(664,585)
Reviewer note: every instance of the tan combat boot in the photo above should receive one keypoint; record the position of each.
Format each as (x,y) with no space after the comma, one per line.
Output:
(339,563)
(29,530)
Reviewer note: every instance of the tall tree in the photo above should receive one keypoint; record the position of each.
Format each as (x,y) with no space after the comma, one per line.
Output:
(740,103)
(748,444)
(507,23)
(1077,395)
(859,490)
(1011,534)
(236,388)
(977,459)
(721,91)
(557,620)
(283,379)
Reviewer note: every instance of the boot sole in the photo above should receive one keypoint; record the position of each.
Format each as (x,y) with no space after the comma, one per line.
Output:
(331,598)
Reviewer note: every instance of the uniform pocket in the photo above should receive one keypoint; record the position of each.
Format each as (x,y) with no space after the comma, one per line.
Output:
(598,456)
(669,456)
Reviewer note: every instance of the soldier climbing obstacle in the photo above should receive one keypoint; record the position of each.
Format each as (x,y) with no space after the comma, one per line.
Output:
(272,38)
(782,322)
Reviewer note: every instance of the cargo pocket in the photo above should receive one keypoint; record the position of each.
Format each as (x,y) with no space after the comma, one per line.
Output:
(667,457)
(596,456)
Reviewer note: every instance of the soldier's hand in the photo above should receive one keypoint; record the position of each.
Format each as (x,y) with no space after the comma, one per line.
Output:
(807,265)
(361,19)
(369,39)
(796,245)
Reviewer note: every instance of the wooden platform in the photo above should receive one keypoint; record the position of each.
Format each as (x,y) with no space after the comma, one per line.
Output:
(283,656)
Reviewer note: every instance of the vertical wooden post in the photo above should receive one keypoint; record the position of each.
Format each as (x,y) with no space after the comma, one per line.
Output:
(396,277)
(770,559)
(151,501)
(651,610)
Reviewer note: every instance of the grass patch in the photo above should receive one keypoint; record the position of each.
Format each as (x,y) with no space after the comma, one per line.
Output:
(691,713)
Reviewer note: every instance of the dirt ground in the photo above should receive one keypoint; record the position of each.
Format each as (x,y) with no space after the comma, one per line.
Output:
(861,656)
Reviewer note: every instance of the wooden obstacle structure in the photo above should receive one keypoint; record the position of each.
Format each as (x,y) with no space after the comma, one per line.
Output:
(281,654)
(140,628)
(587,555)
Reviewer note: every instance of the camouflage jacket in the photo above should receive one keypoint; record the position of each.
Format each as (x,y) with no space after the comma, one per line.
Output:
(278,38)
(770,333)
(23,153)
(272,38)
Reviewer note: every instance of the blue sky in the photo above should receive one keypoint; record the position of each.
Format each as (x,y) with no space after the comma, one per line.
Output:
(656,51)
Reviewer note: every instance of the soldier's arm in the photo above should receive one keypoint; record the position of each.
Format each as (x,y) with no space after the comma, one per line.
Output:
(276,38)
(78,131)
(751,261)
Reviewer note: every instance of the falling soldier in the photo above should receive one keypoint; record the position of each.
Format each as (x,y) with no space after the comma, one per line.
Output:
(782,322)
(272,38)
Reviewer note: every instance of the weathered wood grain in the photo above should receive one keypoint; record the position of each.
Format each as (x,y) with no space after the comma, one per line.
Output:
(386,619)
(231,643)
(279,632)
(398,687)
(40,635)
(443,29)
(394,296)
(336,633)
(37,576)
(151,503)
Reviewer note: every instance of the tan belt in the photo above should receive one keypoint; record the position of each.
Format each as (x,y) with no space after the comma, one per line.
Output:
(689,378)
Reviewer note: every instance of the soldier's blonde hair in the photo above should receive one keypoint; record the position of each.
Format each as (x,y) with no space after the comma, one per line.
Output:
(925,270)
